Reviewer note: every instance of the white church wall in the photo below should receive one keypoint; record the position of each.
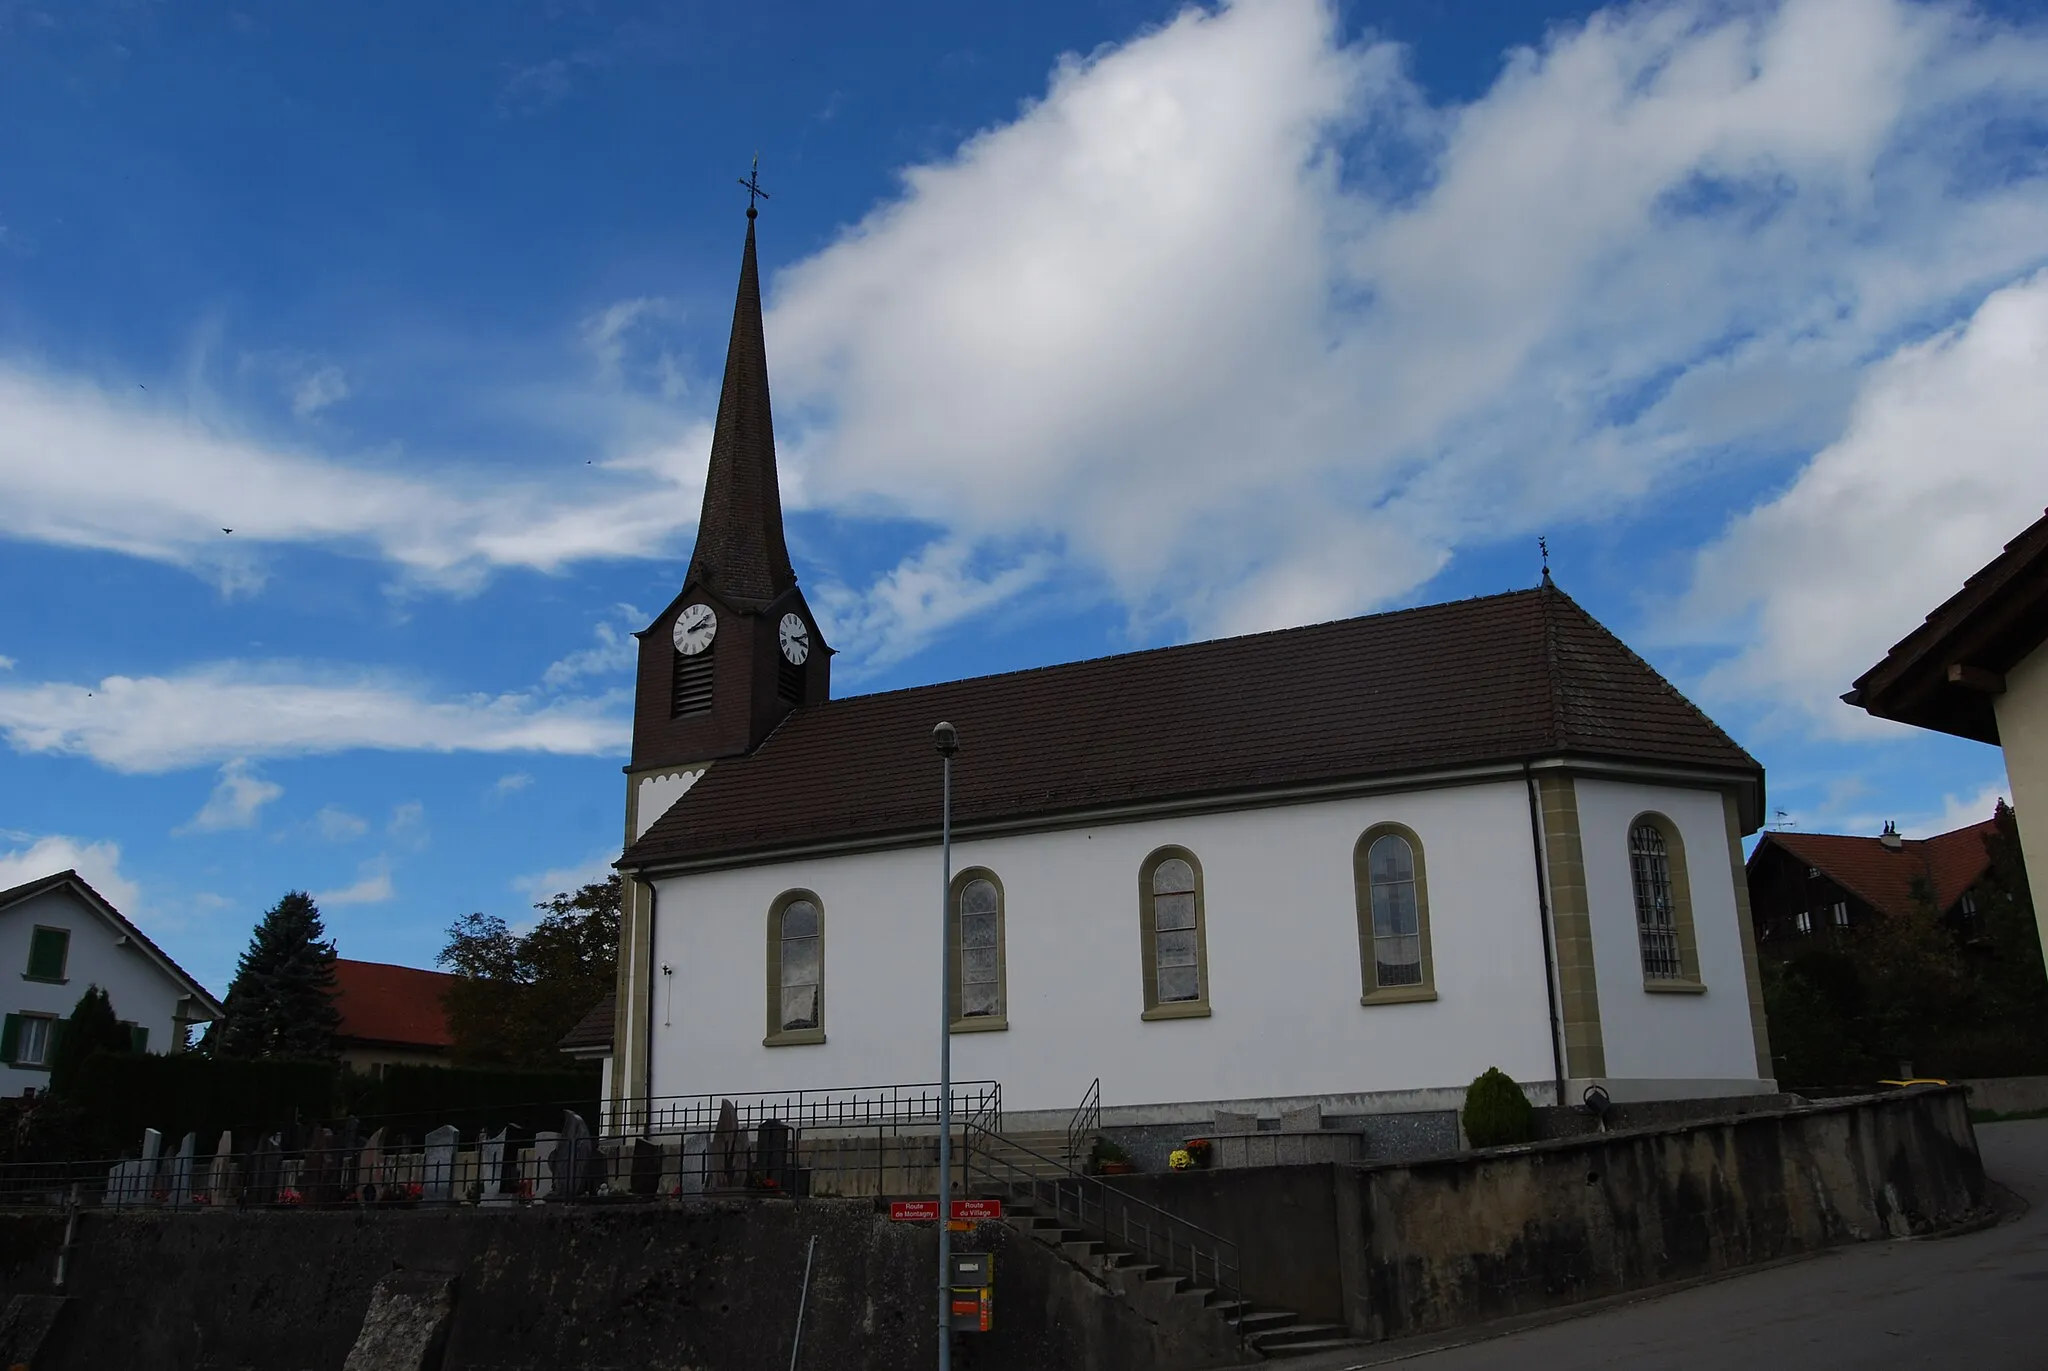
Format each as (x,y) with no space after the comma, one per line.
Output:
(140,992)
(1671,1044)
(1283,959)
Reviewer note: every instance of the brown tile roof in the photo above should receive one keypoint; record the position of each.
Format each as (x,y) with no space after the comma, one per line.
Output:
(1883,877)
(1989,626)
(382,1003)
(593,1030)
(740,552)
(1501,678)
(15,894)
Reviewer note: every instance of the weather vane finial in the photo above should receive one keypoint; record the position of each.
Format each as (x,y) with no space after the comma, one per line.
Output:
(1543,546)
(752,182)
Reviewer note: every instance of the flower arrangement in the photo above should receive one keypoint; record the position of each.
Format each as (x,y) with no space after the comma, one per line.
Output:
(414,1190)
(290,1198)
(525,1187)
(1180,1159)
(1108,1159)
(1202,1150)
(201,1197)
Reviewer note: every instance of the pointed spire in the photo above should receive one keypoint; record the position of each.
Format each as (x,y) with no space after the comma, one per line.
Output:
(740,549)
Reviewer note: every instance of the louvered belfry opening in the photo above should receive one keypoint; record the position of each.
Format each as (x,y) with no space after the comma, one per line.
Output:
(691,693)
(789,681)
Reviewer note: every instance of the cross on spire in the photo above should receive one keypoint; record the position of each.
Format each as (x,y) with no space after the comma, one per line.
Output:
(752,181)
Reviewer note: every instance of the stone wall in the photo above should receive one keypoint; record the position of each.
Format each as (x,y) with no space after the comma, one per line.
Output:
(691,1285)
(2008,1094)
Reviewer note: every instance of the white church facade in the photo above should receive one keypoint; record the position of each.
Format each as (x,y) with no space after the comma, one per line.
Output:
(1353,864)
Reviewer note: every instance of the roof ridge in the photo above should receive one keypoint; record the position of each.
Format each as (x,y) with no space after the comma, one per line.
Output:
(1161,650)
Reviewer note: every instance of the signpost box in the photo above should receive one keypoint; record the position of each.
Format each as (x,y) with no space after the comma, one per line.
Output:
(972,1278)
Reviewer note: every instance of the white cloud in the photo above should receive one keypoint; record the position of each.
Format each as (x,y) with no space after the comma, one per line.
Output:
(318,389)
(1958,811)
(408,824)
(1942,462)
(6,664)
(372,886)
(511,784)
(99,863)
(565,879)
(235,802)
(615,652)
(337,825)
(237,709)
(1236,318)
(80,467)
(927,593)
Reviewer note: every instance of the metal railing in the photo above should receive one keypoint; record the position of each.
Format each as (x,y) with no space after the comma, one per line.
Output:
(848,1107)
(1085,1124)
(1160,1237)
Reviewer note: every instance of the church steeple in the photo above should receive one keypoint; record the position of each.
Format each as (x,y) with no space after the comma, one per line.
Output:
(741,555)
(738,648)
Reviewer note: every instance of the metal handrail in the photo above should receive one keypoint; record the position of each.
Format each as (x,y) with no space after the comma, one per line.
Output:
(1160,1236)
(1087,1121)
(977,1102)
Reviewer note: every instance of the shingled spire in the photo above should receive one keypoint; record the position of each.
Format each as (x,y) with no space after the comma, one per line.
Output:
(741,555)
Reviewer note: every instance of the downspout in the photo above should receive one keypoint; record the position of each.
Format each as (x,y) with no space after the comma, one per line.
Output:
(647,1060)
(1543,917)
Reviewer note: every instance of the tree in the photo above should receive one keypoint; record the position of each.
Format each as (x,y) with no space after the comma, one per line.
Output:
(91,1028)
(517,994)
(281,1002)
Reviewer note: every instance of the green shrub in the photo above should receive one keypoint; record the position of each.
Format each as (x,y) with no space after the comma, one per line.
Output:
(1497,1113)
(121,1094)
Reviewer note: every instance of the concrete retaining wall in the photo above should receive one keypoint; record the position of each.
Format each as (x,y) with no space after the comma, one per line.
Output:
(695,1285)
(1432,1245)
(2008,1094)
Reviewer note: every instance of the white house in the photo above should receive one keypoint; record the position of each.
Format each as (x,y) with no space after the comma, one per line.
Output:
(58,936)
(1354,863)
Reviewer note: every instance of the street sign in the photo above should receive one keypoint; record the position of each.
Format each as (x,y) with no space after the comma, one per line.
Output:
(914,1211)
(977,1209)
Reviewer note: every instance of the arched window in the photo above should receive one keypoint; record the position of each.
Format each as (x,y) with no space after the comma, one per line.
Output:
(796,970)
(1393,916)
(979,1003)
(1664,932)
(1173,935)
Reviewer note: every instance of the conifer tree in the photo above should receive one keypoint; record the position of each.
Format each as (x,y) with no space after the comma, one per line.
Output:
(281,1003)
(91,1028)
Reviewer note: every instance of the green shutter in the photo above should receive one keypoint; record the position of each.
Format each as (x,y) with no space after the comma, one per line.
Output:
(46,953)
(138,1039)
(10,1034)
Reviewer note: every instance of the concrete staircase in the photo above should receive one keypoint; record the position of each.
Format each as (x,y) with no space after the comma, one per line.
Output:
(1151,1289)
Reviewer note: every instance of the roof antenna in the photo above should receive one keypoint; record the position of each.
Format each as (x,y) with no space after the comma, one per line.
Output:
(752,181)
(1543,546)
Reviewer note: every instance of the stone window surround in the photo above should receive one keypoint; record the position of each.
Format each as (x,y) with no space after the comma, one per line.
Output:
(1371,992)
(1687,981)
(777,1035)
(1197,1008)
(981,1023)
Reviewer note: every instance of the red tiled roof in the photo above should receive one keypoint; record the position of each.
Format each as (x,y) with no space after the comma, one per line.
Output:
(382,1003)
(1498,679)
(1883,877)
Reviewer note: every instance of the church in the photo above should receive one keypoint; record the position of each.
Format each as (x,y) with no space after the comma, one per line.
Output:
(1349,865)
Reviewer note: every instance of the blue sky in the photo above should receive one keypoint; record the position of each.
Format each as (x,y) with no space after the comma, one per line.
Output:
(1092,326)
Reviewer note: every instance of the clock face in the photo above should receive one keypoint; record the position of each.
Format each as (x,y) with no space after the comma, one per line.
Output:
(796,639)
(695,627)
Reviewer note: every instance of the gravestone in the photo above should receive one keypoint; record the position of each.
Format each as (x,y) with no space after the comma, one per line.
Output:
(646,1167)
(728,1152)
(348,1146)
(220,1175)
(490,1166)
(322,1169)
(370,1180)
(1307,1119)
(543,1178)
(575,1159)
(771,1155)
(438,1184)
(1230,1121)
(264,1168)
(178,1175)
(693,1174)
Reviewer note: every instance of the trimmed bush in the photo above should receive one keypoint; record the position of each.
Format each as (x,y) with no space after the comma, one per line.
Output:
(120,1094)
(1497,1113)
(414,1099)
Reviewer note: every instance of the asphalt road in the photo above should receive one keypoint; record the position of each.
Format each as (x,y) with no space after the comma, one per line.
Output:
(1978,1302)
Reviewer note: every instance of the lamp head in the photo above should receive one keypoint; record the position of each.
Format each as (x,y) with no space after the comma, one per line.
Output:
(946,739)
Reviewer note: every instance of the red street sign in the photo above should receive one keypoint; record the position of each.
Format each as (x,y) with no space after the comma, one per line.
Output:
(914,1211)
(977,1209)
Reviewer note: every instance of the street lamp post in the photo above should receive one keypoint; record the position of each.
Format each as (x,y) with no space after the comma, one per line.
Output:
(947,740)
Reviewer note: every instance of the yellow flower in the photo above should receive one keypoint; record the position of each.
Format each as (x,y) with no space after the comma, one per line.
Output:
(1181,1160)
